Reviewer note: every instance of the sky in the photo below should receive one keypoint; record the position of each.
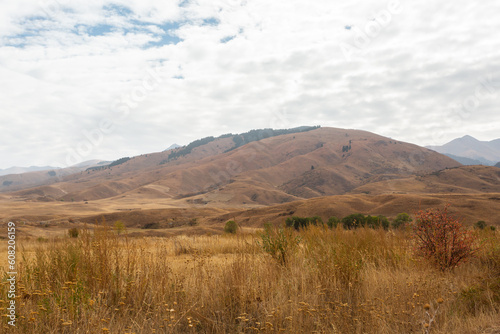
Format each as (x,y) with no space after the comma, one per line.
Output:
(83,80)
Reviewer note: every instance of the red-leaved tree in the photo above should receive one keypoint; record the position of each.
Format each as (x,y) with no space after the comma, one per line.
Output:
(442,239)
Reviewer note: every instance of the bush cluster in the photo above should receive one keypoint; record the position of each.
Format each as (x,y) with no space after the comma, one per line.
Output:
(349,222)
(303,222)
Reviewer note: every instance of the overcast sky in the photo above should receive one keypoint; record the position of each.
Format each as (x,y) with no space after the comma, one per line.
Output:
(91,79)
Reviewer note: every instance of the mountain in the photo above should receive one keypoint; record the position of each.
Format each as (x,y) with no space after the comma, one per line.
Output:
(254,177)
(91,163)
(487,152)
(260,167)
(29,179)
(463,160)
(21,170)
(172,147)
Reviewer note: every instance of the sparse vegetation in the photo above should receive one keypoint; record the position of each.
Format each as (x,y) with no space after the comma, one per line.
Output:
(279,242)
(118,162)
(255,135)
(187,149)
(313,280)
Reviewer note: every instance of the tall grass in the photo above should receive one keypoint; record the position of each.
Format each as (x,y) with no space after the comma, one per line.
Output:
(336,281)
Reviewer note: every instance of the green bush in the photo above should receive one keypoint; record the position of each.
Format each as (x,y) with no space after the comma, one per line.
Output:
(73,232)
(333,222)
(480,225)
(302,222)
(280,243)
(383,222)
(119,227)
(402,219)
(231,227)
(353,221)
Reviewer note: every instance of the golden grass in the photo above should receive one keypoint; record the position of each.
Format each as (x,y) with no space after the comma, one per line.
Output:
(336,281)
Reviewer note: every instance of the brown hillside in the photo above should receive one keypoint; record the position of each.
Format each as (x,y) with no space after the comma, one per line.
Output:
(468,208)
(326,161)
(465,179)
(15,182)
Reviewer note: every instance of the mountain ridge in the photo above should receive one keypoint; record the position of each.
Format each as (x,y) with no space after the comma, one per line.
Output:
(274,169)
(22,170)
(487,152)
(217,179)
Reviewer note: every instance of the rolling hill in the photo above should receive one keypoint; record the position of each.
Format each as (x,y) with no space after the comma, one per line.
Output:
(256,170)
(277,169)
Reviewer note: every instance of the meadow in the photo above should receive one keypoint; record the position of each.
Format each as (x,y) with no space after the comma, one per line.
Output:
(327,281)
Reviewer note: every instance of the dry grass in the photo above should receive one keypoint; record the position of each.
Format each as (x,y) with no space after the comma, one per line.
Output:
(362,281)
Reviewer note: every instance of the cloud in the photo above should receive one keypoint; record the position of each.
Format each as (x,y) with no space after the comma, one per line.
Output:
(175,71)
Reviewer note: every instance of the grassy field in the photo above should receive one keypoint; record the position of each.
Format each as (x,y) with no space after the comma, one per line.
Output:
(332,281)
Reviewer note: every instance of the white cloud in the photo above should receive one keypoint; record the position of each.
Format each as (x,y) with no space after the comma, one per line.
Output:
(232,65)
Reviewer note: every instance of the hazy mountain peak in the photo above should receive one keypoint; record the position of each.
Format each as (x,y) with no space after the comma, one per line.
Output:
(487,152)
(172,147)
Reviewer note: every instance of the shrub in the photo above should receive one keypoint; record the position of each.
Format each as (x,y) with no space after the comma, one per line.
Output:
(442,239)
(402,219)
(353,221)
(151,226)
(73,232)
(280,243)
(119,226)
(316,220)
(376,222)
(302,222)
(481,224)
(384,222)
(231,227)
(333,222)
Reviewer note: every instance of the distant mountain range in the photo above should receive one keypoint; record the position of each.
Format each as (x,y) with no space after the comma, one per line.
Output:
(21,170)
(470,151)
(16,178)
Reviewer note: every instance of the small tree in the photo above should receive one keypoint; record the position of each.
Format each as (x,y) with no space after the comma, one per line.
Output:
(333,222)
(383,222)
(353,221)
(119,227)
(73,232)
(401,220)
(442,239)
(303,222)
(231,227)
(481,224)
